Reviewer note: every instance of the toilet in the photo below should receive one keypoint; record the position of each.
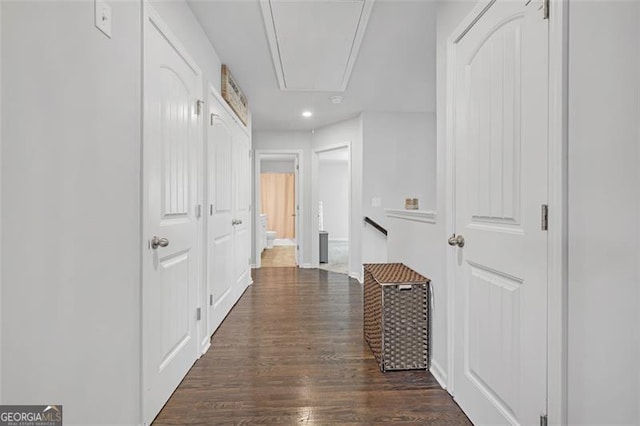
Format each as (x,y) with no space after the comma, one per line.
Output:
(271,236)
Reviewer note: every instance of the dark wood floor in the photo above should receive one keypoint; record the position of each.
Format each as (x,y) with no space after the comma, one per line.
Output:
(291,351)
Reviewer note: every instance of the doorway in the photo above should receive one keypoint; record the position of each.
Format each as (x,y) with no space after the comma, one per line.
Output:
(332,184)
(277,209)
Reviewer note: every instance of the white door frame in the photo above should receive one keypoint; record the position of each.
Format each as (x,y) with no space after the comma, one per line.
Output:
(315,198)
(557,178)
(299,190)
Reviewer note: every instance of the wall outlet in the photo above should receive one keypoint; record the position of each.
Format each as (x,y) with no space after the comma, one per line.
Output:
(103,17)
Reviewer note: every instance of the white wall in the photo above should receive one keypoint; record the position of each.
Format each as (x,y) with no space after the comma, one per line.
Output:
(399,162)
(277,166)
(333,186)
(71,209)
(292,141)
(328,137)
(604,212)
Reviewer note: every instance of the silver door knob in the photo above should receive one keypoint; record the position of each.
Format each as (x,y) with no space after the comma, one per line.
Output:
(236,222)
(158,242)
(456,240)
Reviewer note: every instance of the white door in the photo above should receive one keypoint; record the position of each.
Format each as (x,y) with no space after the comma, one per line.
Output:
(296,209)
(242,213)
(220,211)
(172,86)
(500,132)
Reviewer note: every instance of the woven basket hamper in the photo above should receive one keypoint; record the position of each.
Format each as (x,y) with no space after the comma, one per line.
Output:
(396,316)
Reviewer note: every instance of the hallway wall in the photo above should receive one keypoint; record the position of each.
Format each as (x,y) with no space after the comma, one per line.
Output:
(71,332)
(604,213)
(71,209)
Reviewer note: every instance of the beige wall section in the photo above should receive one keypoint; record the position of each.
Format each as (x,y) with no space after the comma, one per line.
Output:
(71,209)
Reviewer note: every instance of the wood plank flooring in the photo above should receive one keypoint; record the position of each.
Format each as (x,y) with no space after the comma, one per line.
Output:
(291,351)
(278,256)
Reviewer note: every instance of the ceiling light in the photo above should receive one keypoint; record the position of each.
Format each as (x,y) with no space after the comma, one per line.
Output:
(307,114)
(336,99)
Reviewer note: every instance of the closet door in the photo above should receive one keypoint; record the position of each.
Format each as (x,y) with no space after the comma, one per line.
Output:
(242,195)
(220,211)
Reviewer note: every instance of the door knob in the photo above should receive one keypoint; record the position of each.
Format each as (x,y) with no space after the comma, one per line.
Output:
(236,222)
(456,240)
(158,242)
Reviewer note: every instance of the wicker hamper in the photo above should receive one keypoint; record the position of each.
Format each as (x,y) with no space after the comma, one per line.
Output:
(396,316)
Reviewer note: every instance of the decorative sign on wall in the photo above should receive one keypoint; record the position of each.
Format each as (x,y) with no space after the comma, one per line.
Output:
(233,95)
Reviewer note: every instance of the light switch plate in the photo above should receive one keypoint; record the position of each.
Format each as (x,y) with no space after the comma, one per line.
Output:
(103,17)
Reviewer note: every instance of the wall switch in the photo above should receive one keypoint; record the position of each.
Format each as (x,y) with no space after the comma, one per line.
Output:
(103,17)
(376,202)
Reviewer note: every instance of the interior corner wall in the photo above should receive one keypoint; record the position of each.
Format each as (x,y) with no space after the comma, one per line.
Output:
(294,141)
(71,209)
(328,137)
(604,213)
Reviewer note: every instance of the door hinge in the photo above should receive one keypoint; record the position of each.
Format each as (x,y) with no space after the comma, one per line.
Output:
(198,314)
(297,167)
(210,209)
(544,212)
(545,9)
(211,300)
(213,117)
(199,211)
(543,420)
(199,104)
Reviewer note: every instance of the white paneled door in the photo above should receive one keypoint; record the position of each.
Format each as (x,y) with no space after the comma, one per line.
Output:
(172,88)
(242,226)
(228,217)
(500,133)
(220,267)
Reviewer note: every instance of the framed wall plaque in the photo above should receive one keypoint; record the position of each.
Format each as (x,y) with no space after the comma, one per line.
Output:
(233,95)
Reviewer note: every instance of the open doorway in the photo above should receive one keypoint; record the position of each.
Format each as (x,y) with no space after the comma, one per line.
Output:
(278,192)
(334,209)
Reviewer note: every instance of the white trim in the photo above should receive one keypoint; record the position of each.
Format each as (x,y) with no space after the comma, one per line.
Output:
(300,225)
(557,252)
(315,198)
(306,266)
(438,373)
(557,181)
(426,216)
(338,240)
(274,48)
(356,277)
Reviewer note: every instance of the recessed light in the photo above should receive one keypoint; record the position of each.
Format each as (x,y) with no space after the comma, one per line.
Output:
(336,99)
(307,114)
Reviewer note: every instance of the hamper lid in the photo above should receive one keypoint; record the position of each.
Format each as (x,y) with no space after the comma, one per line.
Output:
(394,273)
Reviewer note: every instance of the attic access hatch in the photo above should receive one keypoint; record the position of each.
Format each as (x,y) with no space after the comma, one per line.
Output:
(314,43)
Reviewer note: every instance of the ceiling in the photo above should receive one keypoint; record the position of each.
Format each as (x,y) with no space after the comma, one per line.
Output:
(393,71)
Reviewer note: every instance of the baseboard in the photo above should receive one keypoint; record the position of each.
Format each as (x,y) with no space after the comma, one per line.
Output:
(306,266)
(338,240)
(206,347)
(439,374)
(254,266)
(356,277)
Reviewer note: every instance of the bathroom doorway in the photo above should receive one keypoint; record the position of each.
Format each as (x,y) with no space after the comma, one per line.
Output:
(277,209)
(334,184)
